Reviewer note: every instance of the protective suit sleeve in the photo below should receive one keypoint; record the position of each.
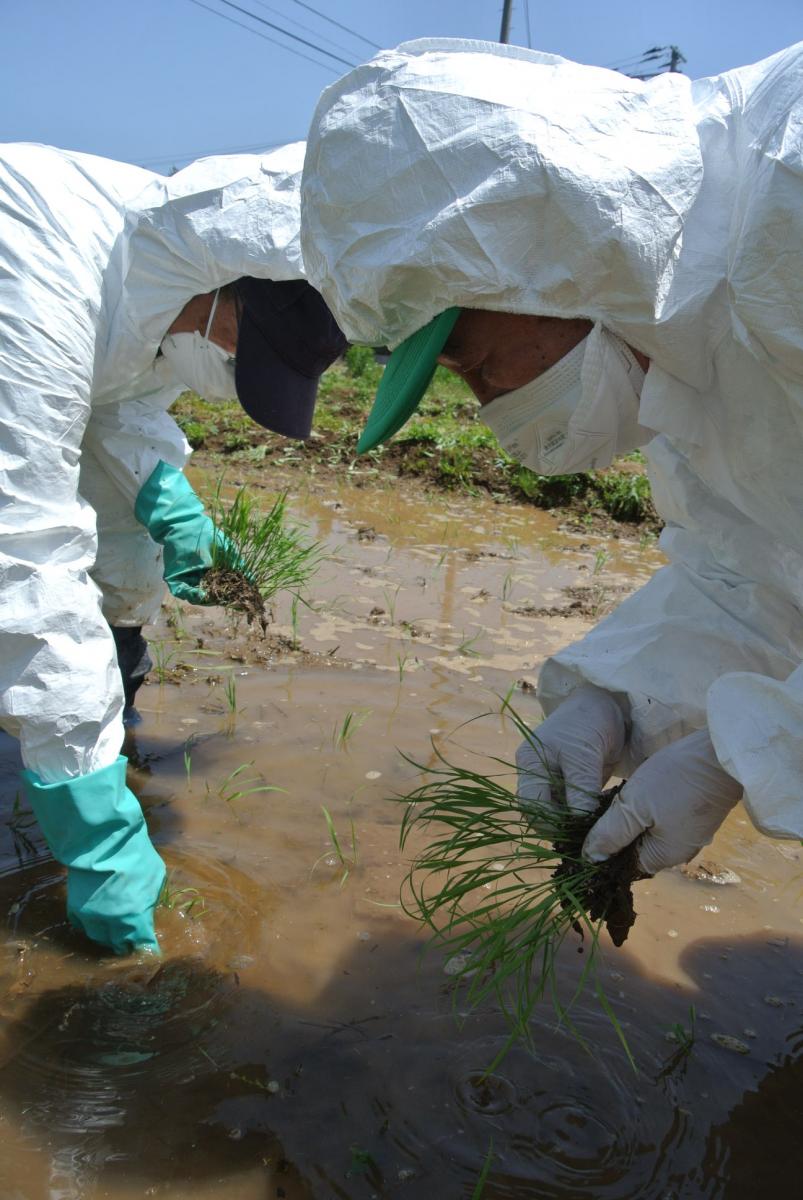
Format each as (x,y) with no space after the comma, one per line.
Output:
(131,436)
(695,649)
(60,691)
(756,726)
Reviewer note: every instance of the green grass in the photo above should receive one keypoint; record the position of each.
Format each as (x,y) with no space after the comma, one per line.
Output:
(445,444)
(483,886)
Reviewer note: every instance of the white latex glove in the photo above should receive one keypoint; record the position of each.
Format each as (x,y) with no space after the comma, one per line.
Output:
(581,741)
(678,799)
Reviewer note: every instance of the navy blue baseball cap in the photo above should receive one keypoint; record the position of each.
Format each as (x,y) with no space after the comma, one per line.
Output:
(287,338)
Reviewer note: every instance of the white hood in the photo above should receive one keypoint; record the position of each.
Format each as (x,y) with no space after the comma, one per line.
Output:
(468,173)
(218,219)
(500,178)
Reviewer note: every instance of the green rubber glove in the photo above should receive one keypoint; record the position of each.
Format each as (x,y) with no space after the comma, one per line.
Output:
(94,826)
(175,518)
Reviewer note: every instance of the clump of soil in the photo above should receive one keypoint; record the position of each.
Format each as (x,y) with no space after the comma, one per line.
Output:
(608,895)
(232,589)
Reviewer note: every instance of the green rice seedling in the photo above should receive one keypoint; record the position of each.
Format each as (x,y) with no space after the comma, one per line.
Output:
(163,659)
(352,721)
(348,864)
(601,559)
(684,1037)
(500,889)
(466,647)
(508,584)
(294,622)
(257,556)
(186,900)
(390,600)
(482,1178)
(175,619)
(401,663)
(188,745)
(684,1040)
(235,786)
(231,695)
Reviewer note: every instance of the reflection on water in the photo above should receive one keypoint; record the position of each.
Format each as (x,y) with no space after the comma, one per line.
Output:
(292,1041)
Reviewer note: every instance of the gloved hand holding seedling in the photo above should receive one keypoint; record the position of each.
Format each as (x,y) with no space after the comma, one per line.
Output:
(669,808)
(254,557)
(234,557)
(562,767)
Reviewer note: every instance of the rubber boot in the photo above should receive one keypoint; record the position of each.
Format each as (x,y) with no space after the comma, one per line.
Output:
(94,826)
(134,663)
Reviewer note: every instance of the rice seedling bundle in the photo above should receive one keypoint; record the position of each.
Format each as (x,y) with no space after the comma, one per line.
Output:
(257,556)
(501,889)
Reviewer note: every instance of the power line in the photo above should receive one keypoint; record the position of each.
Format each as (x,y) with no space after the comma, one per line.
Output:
(332,21)
(287,33)
(650,59)
(631,58)
(265,37)
(306,28)
(192,155)
(652,62)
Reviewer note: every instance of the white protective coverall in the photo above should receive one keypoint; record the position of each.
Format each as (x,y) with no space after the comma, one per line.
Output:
(470,174)
(97,258)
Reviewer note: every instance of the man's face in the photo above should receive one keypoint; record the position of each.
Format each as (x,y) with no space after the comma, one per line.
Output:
(498,352)
(194,318)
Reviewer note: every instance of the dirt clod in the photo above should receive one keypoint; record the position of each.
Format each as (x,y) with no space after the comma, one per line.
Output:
(608,895)
(232,589)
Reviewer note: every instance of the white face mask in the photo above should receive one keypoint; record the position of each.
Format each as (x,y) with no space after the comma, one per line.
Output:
(577,416)
(202,365)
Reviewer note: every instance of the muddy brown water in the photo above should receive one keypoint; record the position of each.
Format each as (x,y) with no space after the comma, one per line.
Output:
(294,1042)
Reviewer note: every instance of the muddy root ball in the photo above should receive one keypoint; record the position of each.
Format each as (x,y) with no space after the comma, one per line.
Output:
(232,589)
(608,894)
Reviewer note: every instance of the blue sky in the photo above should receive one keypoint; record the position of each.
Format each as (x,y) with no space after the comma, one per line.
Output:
(160,82)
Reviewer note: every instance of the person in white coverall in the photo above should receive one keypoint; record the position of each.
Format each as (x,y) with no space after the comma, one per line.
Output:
(610,264)
(118,289)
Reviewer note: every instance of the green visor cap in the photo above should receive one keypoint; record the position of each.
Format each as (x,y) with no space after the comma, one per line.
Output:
(406,377)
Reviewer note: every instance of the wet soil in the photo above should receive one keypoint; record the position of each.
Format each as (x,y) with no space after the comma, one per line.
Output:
(608,895)
(231,589)
(294,1042)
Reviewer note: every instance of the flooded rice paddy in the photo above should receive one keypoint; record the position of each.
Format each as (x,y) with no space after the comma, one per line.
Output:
(293,1042)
